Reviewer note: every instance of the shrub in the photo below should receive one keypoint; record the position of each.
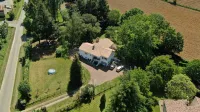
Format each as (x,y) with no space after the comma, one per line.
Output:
(11,15)
(87,93)
(24,89)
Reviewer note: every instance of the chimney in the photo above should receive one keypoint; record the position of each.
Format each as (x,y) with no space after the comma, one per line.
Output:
(93,47)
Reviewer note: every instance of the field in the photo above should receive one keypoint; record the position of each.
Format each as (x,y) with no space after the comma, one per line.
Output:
(43,85)
(190,3)
(182,19)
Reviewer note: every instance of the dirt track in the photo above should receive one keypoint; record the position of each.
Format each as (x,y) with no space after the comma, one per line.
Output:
(183,20)
(190,3)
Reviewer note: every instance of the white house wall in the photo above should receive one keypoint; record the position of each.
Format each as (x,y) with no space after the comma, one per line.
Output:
(85,55)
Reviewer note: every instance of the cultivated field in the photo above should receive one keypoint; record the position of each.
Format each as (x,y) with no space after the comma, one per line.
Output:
(190,3)
(183,20)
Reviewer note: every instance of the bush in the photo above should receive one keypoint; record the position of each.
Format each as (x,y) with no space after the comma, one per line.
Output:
(11,15)
(174,2)
(24,89)
(87,93)
(59,52)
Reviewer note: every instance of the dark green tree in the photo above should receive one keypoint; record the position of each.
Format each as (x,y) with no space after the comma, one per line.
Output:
(131,13)
(141,77)
(193,71)
(75,75)
(24,89)
(180,87)
(163,66)
(4,30)
(87,93)
(114,17)
(127,98)
(54,6)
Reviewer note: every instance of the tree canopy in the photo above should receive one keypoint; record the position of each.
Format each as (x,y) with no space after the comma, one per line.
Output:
(114,17)
(131,13)
(163,66)
(193,70)
(127,98)
(180,87)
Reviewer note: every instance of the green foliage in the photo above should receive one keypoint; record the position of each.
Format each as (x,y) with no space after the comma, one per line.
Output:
(75,75)
(172,41)
(61,52)
(131,13)
(180,87)
(141,77)
(28,49)
(3,30)
(98,8)
(87,93)
(80,29)
(53,7)
(114,17)
(24,89)
(163,66)
(11,15)
(156,83)
(193,70)
(127,98)
(111,32)
(65,14)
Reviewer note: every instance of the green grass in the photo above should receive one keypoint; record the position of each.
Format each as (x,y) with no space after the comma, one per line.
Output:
(156,108)
(18,8)
(4,52)
(18,78)
(94,105)
(46,86)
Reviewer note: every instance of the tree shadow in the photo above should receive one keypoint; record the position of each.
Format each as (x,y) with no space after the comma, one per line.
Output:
(43,49)
(22,101)
(102,102)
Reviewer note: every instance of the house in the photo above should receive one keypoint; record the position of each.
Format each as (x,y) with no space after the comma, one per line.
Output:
(2,14)
(169,105)
(100,52)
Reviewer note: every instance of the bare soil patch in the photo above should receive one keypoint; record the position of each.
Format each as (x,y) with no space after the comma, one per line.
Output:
(190,3)
(183,20)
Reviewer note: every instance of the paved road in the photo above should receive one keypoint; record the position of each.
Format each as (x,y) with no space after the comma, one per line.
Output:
(9,76)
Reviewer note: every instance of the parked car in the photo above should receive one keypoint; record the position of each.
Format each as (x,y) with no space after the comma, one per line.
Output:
(112,66)
(8,7)
(119,68)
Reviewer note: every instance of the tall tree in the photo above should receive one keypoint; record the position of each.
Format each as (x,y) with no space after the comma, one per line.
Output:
(4,30)
(131,13)
(54,6)
(163,66)
(114,17)
(180,87)
(75,75)
(127,98)
(193,71)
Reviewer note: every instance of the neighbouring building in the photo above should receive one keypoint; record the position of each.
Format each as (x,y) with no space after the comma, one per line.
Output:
(2,13)
(169,105)
(100,52)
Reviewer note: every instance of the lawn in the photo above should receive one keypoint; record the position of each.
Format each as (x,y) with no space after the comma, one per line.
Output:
(17,9)
(46,86)
(4,52)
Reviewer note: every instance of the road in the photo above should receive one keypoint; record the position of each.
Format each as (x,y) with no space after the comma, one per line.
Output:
(9,76)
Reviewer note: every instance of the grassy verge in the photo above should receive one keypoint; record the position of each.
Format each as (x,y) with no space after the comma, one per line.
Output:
(18,78)
(5,51)
(18,8)
(106,88)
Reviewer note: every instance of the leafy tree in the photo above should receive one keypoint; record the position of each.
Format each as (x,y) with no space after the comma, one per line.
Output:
(137,40)
(114,17)
(87,93)
(131,13)
(141,77)
(180,87)
(127,98)
(11,15)
(65,15)
(193,70)
(172,41)
(156,83)
(75,75)
(163,66)
(24,89)
(4,30)
(28,49)
(54,6)
(92,26)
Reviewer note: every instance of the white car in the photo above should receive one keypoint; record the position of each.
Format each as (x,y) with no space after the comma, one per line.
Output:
(119,68)
(8,7)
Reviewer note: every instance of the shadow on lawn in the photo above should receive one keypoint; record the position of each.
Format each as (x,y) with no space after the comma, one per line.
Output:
(45,48)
